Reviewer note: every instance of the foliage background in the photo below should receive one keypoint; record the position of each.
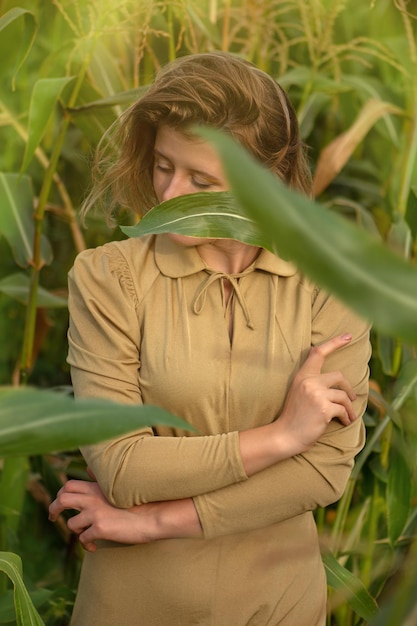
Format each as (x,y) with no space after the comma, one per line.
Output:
(350,67)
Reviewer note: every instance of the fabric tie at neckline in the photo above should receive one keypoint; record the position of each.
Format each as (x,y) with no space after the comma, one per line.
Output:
(200,295)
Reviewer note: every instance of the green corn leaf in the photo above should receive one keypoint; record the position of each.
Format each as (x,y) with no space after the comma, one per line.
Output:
(26,614)
(45,95)
(16,219)
(7,610)
(13,486)
(37,421)
(320,82)
(344,259)
(105,71)
(210,214)
(366,87)
(119,98)
(355,592)
(388,349)
(400,607)
(94,114)
(17,286)
(398,492)
(29,33)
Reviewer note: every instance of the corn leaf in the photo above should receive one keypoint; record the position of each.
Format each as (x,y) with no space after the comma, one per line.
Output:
(353,589)
(7,609)
(93,114)
(208,214)
(17,286)
(339,256)
(398,492)
(334,156)
(16,219)
(104,70)
(119,98)
(29,33)
(26,614)
(37,421)
(45,95)
(400,607)
(13,484)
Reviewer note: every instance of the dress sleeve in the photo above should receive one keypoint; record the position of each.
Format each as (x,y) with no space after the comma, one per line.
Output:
(317,477)
(104,355)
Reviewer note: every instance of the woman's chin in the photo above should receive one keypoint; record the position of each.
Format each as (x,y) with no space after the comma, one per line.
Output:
(185,240)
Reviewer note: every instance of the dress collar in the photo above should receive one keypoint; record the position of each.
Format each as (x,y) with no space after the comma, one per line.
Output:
(176,261)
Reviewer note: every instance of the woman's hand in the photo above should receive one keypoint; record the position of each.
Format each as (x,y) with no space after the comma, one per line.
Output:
(99,520)
(315,399)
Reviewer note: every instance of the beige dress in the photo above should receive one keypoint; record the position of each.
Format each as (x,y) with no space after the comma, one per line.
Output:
(149,324)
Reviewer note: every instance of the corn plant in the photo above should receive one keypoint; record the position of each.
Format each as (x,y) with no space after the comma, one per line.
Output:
(350,69)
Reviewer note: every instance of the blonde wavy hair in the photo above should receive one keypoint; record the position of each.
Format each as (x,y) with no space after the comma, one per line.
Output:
(215,89)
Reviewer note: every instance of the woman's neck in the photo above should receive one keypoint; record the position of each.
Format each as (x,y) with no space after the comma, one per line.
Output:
(227,255)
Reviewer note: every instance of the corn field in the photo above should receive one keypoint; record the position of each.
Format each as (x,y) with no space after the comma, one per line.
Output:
(68,69)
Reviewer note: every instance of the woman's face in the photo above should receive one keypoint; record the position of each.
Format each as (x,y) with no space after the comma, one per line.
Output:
(185,165)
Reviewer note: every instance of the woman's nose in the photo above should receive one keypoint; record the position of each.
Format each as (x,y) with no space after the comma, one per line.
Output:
(176,187)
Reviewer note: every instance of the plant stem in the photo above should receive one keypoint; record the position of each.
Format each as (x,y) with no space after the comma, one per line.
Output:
(226,25)
(29,332)
(171,39)
(371,538)
(410,155)
(341,516)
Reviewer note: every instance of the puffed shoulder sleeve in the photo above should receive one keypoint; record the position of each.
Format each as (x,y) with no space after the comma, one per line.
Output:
(103,335)
(319,476)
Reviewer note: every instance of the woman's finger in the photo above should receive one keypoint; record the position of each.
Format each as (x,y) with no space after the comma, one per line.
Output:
(78,523)
(338,381)
(68,500)
(79,486)
(313,364)
(61,503)
(87,540)
(342,406)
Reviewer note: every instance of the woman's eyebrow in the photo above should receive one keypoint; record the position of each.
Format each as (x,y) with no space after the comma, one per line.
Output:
(157,152)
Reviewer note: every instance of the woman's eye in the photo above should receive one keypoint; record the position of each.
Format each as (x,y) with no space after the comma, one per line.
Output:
(163,167)
(201,184)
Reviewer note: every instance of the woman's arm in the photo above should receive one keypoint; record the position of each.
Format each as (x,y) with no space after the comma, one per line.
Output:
(261,501)
(261,447)
(314,477)
(98,520)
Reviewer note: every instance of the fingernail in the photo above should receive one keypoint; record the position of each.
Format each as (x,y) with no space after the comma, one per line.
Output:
(347,336)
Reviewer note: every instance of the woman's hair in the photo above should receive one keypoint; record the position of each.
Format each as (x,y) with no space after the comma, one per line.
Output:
(215,89)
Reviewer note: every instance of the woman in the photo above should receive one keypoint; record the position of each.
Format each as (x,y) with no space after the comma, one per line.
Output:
(214,528)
